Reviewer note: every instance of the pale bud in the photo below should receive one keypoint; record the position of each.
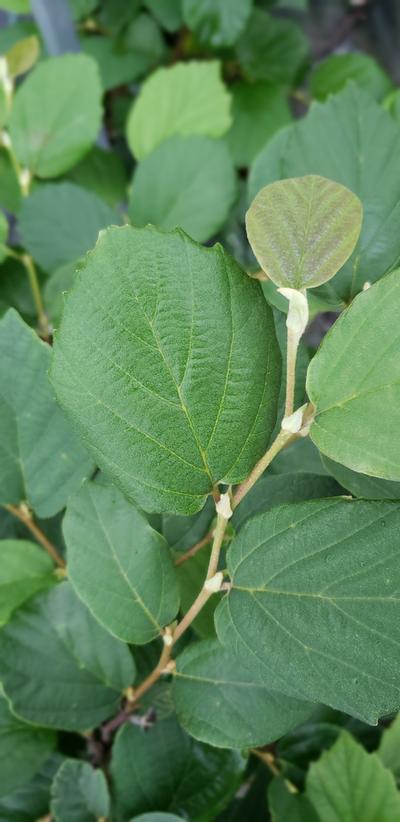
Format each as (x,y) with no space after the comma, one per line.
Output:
(297,317)
(213,585)
(293,424)
(223,506)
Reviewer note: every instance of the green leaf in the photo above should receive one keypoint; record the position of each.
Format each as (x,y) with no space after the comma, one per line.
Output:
(25,569)
(156,395)
(23,749)
(60,281)
(23,55)
(217,23)
(222,699)
(56,114)
(31,801)
(286,806)
(320,613)
(188,98)
(103,173)
(301,456)
(41,459)
(3,237)
(59,667)
(182,533)
(354,384)
(157,817)
(112,548)
(356,126)
(187,182)
(389,748)
(79,793)
(192,779)
(259,110)
(82,8)
(167,12)
(303,230)
(10,192)
(277,489)
(360,485)
(271,49)
(332,74)
(60,222)
(349,783)
(17,6)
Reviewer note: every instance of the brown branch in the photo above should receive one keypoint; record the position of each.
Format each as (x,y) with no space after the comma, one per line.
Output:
(23,514)
(195,548)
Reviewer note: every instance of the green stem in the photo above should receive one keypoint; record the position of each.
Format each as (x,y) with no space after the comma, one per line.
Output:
(291,358)
(283,438)
(30,268)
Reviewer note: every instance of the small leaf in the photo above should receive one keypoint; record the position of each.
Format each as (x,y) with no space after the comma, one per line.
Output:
(303,230)
(192,779)
(314,602)
(60,222)
(225,702)
(187,182)
(103,173)
(167,407)
(332,74)
(41,459)
(79,793)
(23,749)
(194,101)
(25,569)
(271,49)
(119,566)
(217,23)
(23,55)
(354,384)
(349,783)
(59,667)
(56,114)
(356,126)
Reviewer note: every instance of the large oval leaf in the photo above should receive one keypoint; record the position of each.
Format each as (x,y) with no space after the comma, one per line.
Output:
(303,230)
(119,566)
(315,602)
(168,363)
(59,667)
(57,114)
(224,702)
(354,383)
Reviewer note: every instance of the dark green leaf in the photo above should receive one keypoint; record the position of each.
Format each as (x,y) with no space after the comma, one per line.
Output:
(31,802)
(348,783)
(167,12)
(332,74)
(354,384)
(191,778)
(217,23)
(59,667)
(187,182)
(271,49)
(41,459)
(259,110)
(360,485)
(60,222)
(314,602)
(25,569)
(223,700)
(10,192)
(164,422)
(23,749)
(119,566)
(103,173)
(56,114)
(79,793)
(286,806)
